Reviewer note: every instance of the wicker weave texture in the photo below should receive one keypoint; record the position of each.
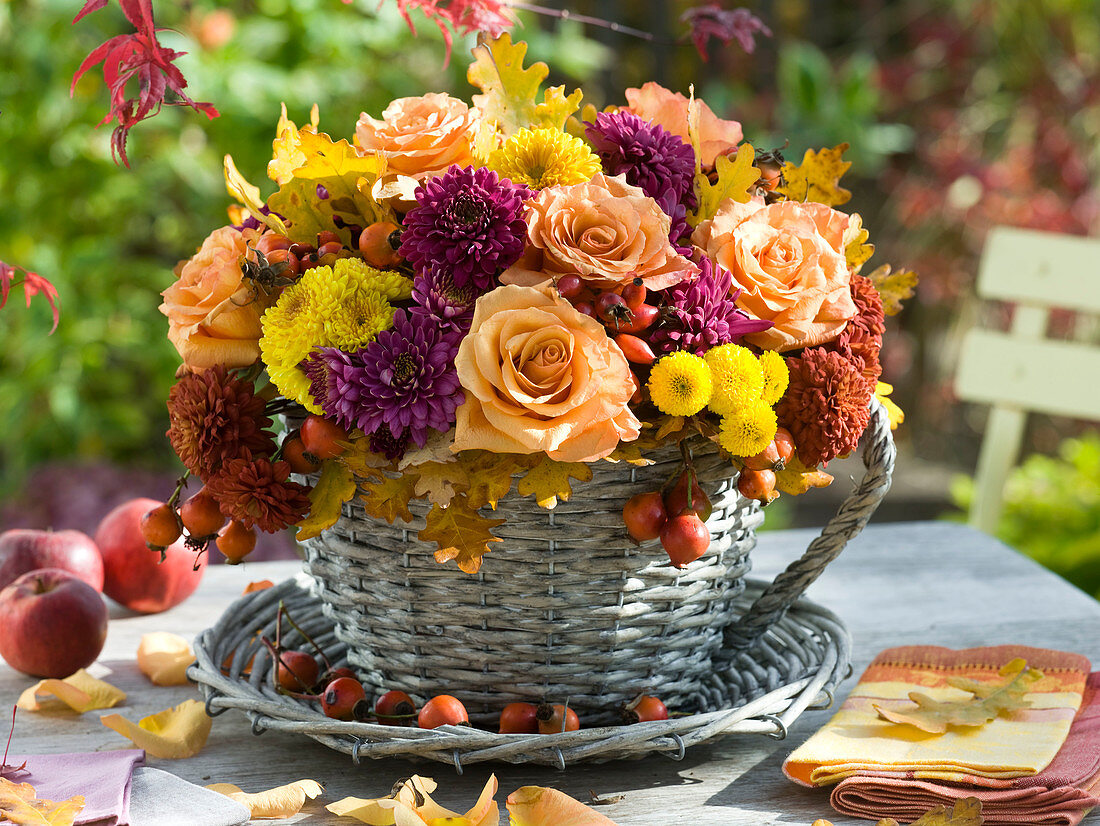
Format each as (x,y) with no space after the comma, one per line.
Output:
(566,607)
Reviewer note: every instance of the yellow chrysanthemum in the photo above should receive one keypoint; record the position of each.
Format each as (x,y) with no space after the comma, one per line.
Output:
(341,306)
(680,384)
(738,378)
(748,431)
(545,157)
(776,376)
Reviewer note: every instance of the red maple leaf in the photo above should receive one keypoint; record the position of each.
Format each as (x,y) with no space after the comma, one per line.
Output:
(33,284)
(140,57)
(463,16)
(711,20)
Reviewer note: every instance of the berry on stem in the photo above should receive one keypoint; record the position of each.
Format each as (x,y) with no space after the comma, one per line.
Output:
(322,437)
(296,671)
(235,541)
(554,719)
(345,699)
(685,538)
(690,496)
(758,485)
(643,709)
(161,526)
(296,455)
(395,708)
(644,515)
(201,515)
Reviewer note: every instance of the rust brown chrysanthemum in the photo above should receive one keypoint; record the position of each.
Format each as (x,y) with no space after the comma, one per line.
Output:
(258,493)
(216,417)
(826,405)
(861,339)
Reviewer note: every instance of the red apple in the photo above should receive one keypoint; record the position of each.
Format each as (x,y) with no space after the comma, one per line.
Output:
(25,550)
(51,623)
(134,575)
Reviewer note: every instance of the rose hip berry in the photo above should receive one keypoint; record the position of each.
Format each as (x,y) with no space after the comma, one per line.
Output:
(519,718)
(345,699)
(442,710)
(554,719)
(322,437)
(161,526)
(296,671)
(645,514)
(685,538)
(394,708)
(644,709)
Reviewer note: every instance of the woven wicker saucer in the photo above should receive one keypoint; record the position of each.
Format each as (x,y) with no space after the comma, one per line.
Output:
(795,665)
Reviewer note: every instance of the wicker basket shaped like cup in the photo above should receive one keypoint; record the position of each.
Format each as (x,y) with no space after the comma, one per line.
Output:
(567,608)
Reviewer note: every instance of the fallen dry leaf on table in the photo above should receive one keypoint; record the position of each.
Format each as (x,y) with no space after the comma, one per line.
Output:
(164,658)
(78,692)
(262,585)
(171,734)
(410,805)
(19,804)
(540,806)
(282,801)
(989,700)
(967,812)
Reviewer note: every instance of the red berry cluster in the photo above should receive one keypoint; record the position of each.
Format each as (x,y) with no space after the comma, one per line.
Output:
(678,518)
(203,520)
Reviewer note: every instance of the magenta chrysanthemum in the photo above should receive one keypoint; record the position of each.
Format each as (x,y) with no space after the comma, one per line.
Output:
(703,313)
(468,222)
(655,160)
(404,380)
(438,297)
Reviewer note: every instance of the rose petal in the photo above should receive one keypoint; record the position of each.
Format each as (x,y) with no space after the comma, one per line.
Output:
(262,585)
(164,658)
(79,692)
(171,734)
(540,806)
(282,801)
(20,804)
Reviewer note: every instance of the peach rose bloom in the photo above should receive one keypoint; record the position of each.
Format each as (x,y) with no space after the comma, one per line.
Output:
(214,318)
(788,260)
(541,377)
(669,110)
(606,231)
(421,136)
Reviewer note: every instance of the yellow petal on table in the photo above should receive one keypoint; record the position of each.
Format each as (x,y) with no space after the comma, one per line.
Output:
(79,692)
(164,657)
(171,734)
(540,806)
(411,805)
(19,804)
(282,801)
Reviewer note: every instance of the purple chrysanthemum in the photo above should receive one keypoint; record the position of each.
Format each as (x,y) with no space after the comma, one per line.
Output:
(655,160)
(404,380)
(437,296)
(466,221)
(703,313)
(384,442)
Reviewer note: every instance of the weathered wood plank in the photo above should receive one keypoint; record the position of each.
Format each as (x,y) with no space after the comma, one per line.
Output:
(896,584)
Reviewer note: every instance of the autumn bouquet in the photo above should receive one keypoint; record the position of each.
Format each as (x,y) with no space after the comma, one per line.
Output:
(469,296)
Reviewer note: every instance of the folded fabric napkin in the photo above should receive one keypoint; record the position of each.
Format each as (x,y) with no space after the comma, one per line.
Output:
(1059,795)
(857,741)
(103,778)
(162,799)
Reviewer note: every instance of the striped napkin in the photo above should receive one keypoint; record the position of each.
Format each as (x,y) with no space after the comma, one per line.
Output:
(856,741)
(1059,795)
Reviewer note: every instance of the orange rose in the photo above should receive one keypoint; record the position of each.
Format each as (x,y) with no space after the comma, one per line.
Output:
(669,110)
(213,318)
(421,136)
(606,231)
(541,377)
(788,260)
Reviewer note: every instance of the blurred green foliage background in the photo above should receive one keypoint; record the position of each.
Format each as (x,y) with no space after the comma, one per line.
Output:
(961,114)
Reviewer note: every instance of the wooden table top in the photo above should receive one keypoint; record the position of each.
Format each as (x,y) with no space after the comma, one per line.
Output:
(911,583)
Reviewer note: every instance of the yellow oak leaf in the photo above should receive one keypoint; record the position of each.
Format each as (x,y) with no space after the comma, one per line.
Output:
(510,91)
(672,424)
(629,452)
(896,414)
(249,195)
(965,812)
(363,462)
(796,478)
(346,177)
(335,486)
(438,481)
(171,734)
(549,481)
(461,534)
(989,700)
(389,497)
(78,692)
(164,658)
(542,806)
(20,804)
(490,475)
(282,801)
(817,178)
(286,149)
(856,249)
(735,177)
(893,287)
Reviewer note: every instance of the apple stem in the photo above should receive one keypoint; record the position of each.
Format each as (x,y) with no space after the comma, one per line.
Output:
(307,637)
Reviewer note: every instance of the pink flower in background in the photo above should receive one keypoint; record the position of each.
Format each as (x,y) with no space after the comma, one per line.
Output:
(33,284)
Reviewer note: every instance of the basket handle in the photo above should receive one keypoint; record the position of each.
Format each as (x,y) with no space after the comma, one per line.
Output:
(878,457)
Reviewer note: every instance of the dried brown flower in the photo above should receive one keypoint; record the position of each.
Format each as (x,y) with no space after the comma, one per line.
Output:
(861,339)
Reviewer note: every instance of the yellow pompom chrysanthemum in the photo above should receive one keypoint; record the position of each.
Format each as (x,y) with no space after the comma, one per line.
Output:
(776,376)
(342,306)
(748,431)
(738,378)
(544,157)
(680,384)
